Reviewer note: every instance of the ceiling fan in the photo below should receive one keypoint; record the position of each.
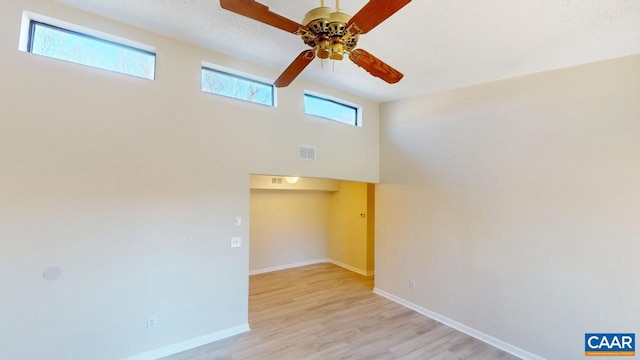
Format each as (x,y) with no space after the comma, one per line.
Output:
(330,34)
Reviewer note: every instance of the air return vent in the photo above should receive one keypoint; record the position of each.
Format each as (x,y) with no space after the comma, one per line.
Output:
(276,181)
(306,152)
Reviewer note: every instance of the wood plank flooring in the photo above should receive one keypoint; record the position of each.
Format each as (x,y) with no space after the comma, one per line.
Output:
(326,312)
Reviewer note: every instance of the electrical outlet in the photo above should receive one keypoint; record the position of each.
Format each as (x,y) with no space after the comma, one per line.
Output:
(152,321)
(412,284)
(236,241)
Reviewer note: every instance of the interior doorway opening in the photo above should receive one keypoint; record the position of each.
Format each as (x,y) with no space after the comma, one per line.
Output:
(302,221)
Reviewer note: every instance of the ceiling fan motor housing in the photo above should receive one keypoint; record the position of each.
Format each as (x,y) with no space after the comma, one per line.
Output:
(327,33)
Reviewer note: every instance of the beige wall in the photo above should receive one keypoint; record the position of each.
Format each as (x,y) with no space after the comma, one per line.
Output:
(347,229)
(131,187)
(288,227)
(371,228)
(514,205)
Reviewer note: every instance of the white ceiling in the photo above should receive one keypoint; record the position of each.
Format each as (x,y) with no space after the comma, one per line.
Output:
(437,44)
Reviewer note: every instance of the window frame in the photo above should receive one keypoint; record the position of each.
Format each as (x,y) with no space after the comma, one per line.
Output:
(357,122)
(206,66)
(31,20)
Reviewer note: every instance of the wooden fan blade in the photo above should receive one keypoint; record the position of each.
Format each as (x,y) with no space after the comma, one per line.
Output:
(375,66)
(259,12)
(295,68)
(374,13)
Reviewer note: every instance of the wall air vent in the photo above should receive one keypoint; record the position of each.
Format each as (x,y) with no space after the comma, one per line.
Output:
(306,152)
(276,181)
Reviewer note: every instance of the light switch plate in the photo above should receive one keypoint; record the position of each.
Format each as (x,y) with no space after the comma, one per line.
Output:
(236,241)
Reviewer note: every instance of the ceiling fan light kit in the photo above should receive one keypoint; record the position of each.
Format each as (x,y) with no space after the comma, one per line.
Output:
(330,34)
(326,32)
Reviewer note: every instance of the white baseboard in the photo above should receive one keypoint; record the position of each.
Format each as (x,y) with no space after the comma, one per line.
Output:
(288,266)
(311,262)
(189,344)
(349,267)
(511,349)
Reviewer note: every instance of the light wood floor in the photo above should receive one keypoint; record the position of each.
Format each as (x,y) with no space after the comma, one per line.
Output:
(326,312)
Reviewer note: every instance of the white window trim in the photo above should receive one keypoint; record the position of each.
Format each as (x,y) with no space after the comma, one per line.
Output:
(340,101)
(28,16)
(245,75)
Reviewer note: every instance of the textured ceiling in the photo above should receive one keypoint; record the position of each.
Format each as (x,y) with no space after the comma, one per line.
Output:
(438,45)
